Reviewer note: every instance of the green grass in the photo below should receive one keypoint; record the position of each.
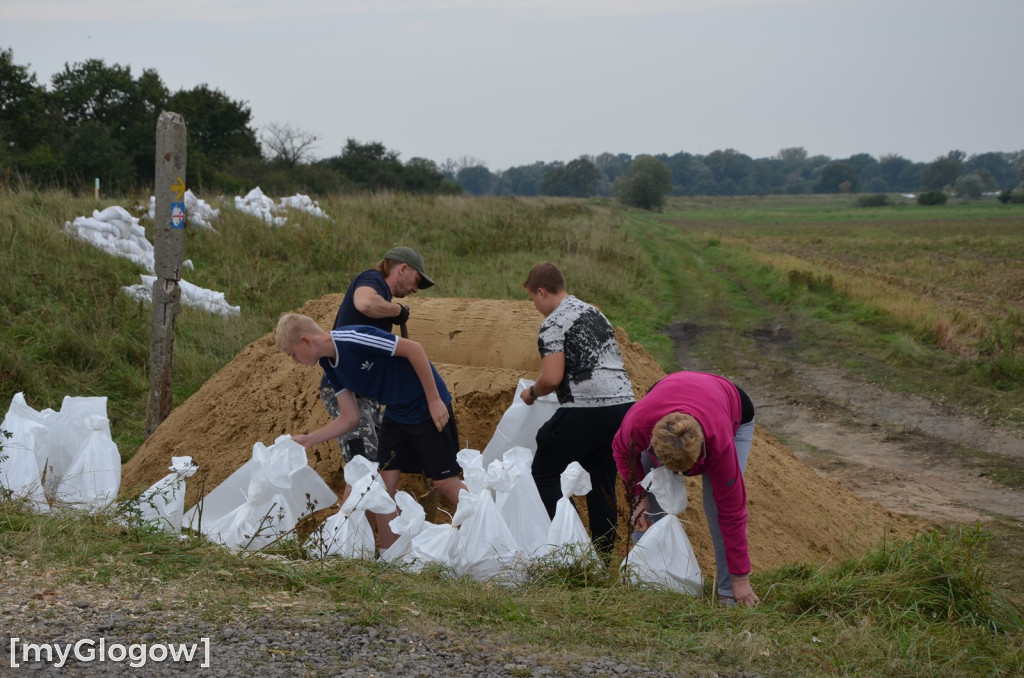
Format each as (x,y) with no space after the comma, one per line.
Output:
(922,607)
(942,604)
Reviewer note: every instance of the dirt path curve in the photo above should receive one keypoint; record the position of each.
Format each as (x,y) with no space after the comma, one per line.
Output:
(906,453)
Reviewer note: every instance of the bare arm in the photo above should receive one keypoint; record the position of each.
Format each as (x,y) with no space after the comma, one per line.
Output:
(414,353)
(552,370)
(368,302)
(348,419)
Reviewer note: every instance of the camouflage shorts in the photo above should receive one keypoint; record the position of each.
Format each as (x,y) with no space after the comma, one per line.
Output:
(363,439)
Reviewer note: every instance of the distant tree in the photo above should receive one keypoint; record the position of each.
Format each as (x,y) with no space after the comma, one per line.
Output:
(477,180)
(370,166)
(969,186)
(424,176)
(793,157)
(729,164)
(899,173)
(93,152)
(998,165)
(553,182)
(864,166)
(522,180)
(644,184)
(876,185)
(24,118)
(217,125)
(942,172)
(579,178)
(92,92)
(286,144)
(837,177)
(613,165)
(685,170)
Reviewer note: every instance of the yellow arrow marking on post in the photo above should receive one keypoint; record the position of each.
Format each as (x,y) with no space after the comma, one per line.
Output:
(178,188)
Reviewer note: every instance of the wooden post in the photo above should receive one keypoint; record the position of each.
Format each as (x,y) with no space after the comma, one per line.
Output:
(168,241)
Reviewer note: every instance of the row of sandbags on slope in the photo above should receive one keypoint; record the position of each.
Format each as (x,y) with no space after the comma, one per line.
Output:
(499,527)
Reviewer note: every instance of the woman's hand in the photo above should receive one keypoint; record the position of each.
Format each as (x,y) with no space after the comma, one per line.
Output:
(641,521)
(742,593)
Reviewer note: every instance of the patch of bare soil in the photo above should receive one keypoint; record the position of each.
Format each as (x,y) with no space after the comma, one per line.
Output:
(482,348)
(911,455)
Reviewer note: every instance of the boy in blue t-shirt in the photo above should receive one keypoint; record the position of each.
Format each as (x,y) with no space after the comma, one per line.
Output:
(418,430)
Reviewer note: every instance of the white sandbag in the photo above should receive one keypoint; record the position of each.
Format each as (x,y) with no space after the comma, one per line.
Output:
(66,431)
(163,504)
(347,533)
(434,545)
(521,506)
(487,548)
(568,541)
(519,425)
(92,479)
(409,522)
(663,556)
(263,500)
(116,232)
(20,471)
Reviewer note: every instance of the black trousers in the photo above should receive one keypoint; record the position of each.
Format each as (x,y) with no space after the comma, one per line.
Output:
(582,434)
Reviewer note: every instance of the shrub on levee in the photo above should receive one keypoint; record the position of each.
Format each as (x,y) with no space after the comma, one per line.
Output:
(932,198)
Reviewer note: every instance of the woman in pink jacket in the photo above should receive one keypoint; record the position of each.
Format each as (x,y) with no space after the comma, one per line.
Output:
(696,423)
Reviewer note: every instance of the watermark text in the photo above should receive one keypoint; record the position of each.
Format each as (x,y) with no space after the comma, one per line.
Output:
(87,651)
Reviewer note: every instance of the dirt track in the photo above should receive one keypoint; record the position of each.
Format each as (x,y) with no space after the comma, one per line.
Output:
(900,451)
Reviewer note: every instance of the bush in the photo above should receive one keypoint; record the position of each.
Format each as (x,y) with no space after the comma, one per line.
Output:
(873,200)
(1011,196)
(932,198)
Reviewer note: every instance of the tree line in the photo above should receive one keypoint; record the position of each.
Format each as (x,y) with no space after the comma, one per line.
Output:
(98,121)
(728,172)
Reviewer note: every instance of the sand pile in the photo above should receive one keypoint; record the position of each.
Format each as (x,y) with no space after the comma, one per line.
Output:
(482,348)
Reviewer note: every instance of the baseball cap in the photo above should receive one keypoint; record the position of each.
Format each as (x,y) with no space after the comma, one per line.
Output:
(408,255)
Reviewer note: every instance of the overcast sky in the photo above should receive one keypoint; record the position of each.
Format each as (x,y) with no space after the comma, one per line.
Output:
(511,82)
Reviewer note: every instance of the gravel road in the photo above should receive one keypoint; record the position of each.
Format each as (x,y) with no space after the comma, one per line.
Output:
(135,633)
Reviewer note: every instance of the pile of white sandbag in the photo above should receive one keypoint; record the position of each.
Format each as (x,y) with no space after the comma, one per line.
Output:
(63,458)
(256,204)
(115,231)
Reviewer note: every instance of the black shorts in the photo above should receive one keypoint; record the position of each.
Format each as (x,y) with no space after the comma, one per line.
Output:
(416,448)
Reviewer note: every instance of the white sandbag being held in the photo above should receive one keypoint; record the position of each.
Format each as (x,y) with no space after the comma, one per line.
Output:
(519,425)
(409,522)
(347,533)
(663,556)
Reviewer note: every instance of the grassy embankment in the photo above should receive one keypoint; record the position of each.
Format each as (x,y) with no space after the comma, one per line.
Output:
(925,607)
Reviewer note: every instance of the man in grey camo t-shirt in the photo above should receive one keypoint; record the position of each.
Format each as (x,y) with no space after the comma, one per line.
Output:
(582,364)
